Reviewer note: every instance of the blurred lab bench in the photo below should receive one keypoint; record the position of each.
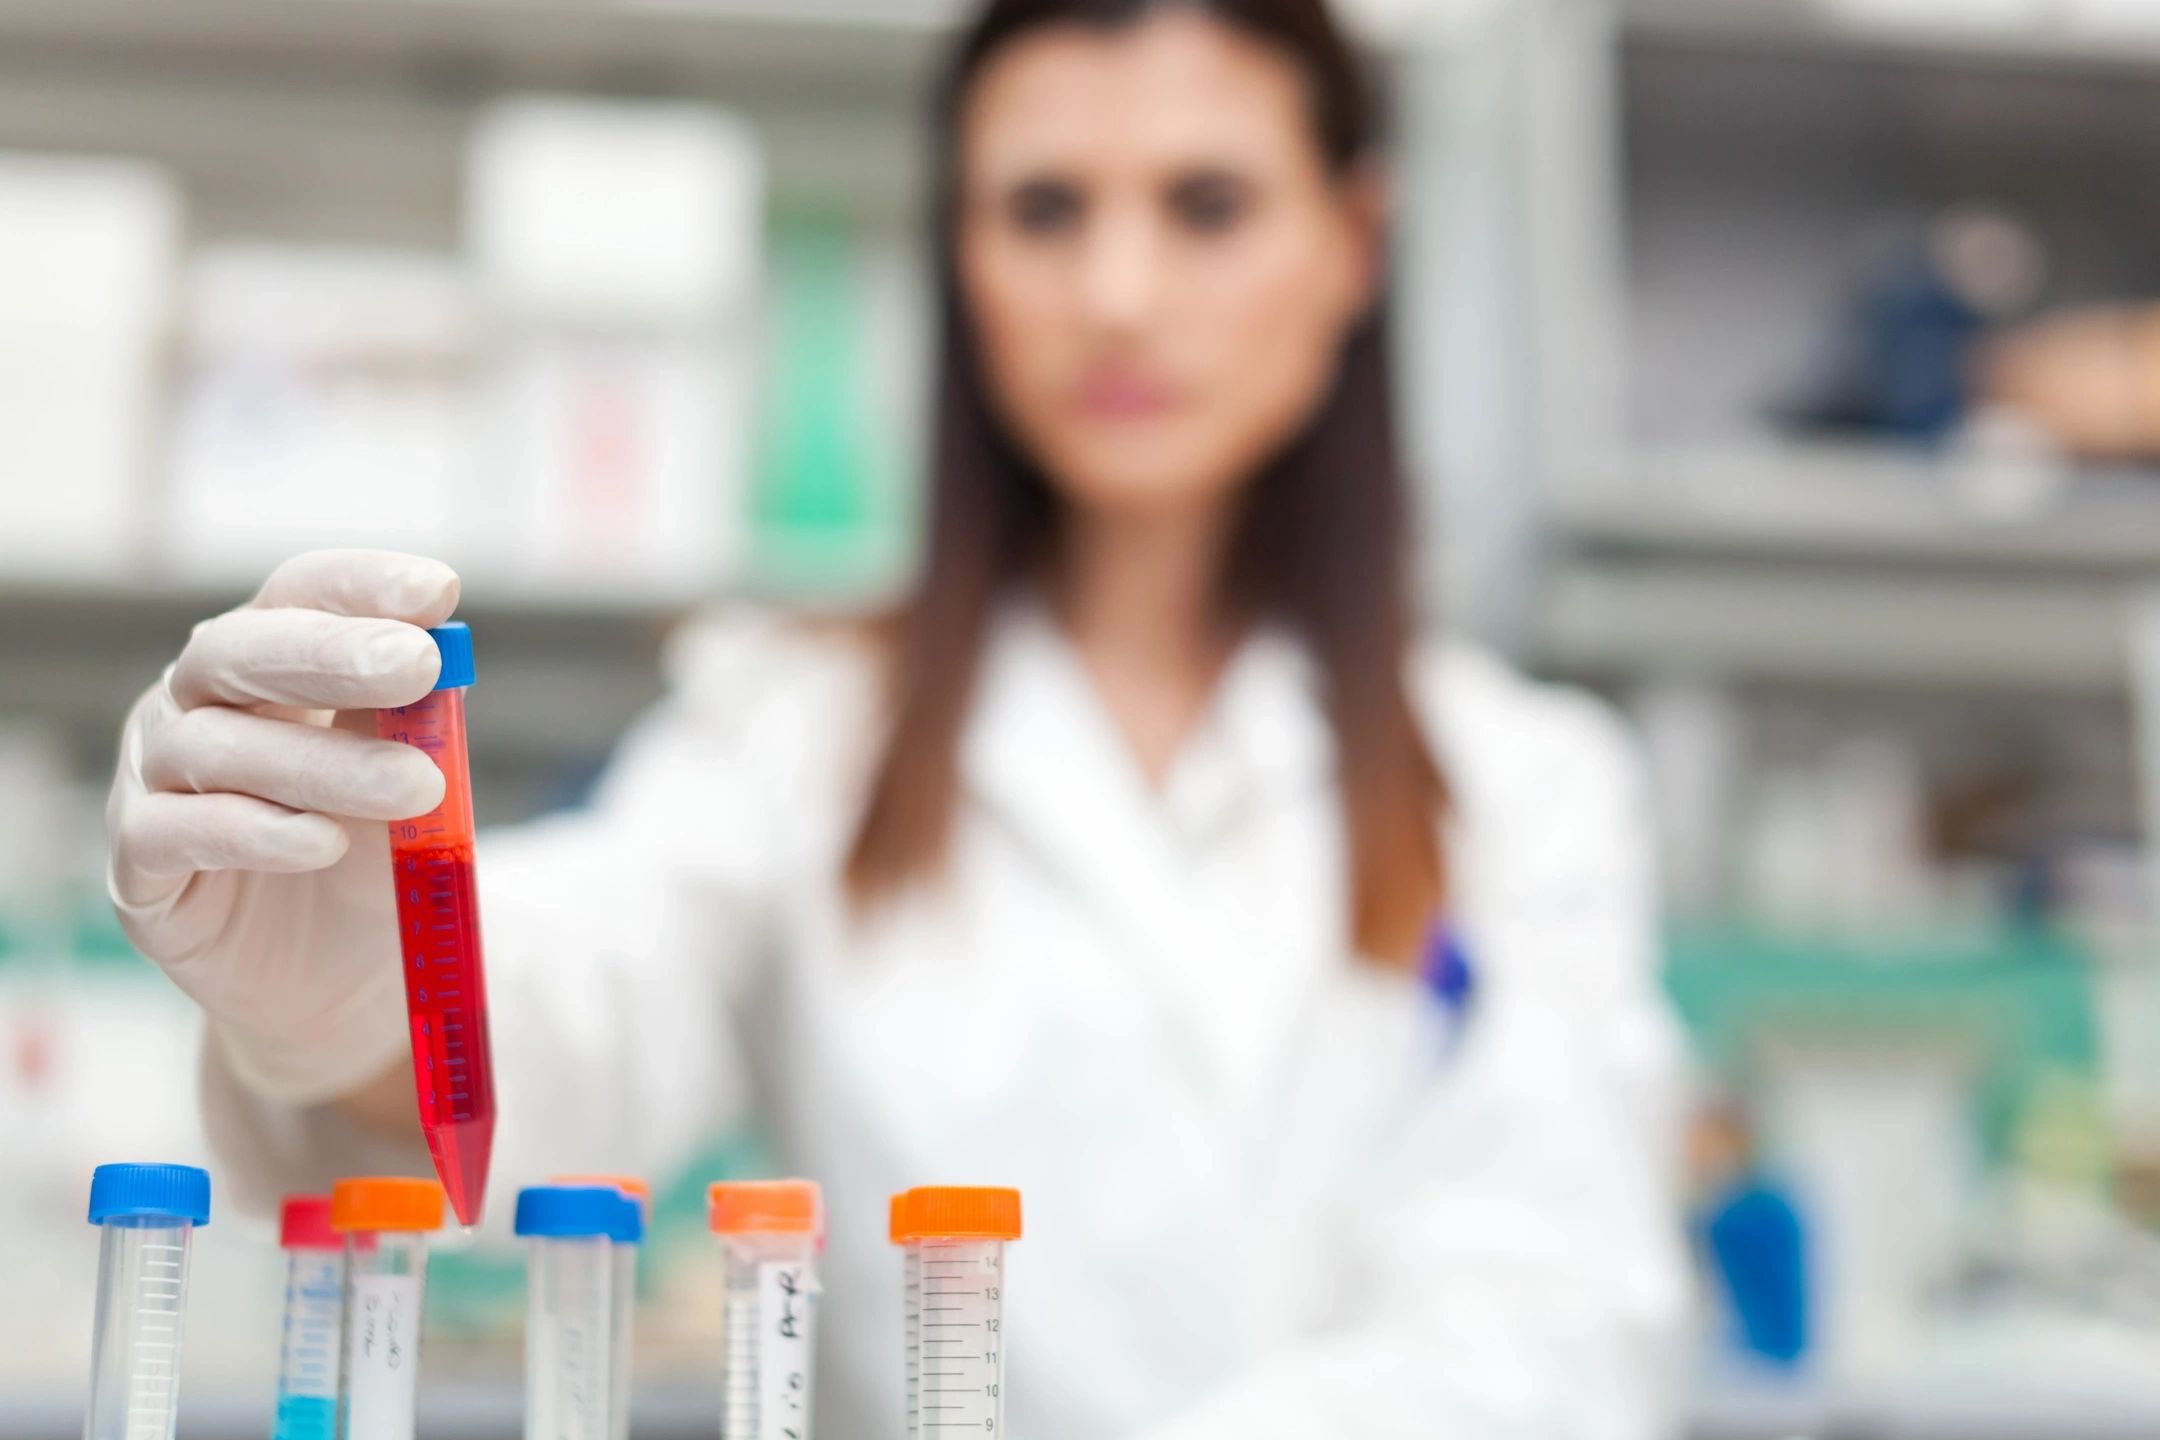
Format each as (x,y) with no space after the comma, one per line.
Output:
(1726,1412)
(1933,1411)
(463,1412)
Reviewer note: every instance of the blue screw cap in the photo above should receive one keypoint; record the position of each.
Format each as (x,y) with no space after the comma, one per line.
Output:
(572,1211)
(149,1192)
(629,1222)
(454,643)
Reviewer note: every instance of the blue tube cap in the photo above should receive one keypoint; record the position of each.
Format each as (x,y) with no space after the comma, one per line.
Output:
(571,1211)
(629,1221)
(149,1192)
(453,642)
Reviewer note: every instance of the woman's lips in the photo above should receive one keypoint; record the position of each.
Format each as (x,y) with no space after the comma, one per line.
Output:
(1123,397)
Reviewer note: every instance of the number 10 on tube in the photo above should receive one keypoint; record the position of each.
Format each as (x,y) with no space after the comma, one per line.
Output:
(431,860)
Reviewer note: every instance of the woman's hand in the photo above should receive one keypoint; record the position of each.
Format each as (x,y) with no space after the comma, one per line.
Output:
(250,858)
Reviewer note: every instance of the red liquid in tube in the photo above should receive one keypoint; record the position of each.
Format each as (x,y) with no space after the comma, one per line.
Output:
(431,862)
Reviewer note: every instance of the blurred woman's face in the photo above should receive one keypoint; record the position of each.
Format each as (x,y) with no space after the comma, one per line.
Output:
(1159,265)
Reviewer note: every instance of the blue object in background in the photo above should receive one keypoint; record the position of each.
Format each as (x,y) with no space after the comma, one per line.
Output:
(1916,335)
(1896,362)
(1759,1247)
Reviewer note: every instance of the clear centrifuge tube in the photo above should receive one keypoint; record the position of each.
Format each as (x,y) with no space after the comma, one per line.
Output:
(955,1239)
(386,1224)
(626,1250)
(569,1310)
(314,1320)
(911,1304)
(772,1232)
(147,1213)
(431,859)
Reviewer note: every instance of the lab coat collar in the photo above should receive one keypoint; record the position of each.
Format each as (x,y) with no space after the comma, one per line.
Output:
(1043,755)
(1039,730)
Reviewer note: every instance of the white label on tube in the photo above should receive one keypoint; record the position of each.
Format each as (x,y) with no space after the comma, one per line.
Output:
(787,1318)
(382,1363)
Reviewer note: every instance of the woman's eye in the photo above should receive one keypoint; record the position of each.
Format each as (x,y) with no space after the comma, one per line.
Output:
(1044,207)
(1209,205)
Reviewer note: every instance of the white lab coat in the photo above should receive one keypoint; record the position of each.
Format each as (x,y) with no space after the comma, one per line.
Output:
(1270,1190)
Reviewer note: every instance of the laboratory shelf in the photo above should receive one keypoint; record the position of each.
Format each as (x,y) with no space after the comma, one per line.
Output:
(2017,1003)
(1834,625)
(348,120)
(538,40)
(1863,504)
(1764,142)
(2044,38)
(149,594)
(1766,1410)
(565,671)
(844,42)
(1845,564)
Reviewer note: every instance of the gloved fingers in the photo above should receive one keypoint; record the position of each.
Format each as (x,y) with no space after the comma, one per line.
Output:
(307,658)
(163,836)
(376,584)
(217,749)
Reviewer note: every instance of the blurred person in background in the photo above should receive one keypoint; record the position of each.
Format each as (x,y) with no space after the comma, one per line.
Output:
(1301,975)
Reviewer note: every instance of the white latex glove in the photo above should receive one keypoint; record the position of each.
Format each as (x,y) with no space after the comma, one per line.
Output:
(250,858)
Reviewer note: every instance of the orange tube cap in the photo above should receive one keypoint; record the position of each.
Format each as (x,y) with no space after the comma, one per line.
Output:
(765,1207)
(955,1212)
(386,1203)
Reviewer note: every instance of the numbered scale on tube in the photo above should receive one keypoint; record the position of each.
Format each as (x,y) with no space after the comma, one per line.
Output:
(955,1240)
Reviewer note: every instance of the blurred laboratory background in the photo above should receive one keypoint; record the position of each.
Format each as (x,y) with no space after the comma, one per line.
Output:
(1787,370)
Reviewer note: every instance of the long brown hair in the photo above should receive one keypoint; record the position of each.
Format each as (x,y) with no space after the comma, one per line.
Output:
(1320,544)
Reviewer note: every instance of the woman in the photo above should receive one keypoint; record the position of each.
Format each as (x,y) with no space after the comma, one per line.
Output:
(1106,871)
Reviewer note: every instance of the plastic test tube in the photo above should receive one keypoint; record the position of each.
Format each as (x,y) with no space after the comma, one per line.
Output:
(147,1214)
(569,1309)
(314,1320)
(955,1238)
(385,1223)
(771,1232)
(911,1305)
(431,858)
(625,1253)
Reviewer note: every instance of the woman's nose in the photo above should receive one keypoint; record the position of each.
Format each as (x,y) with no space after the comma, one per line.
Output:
(1120,272)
